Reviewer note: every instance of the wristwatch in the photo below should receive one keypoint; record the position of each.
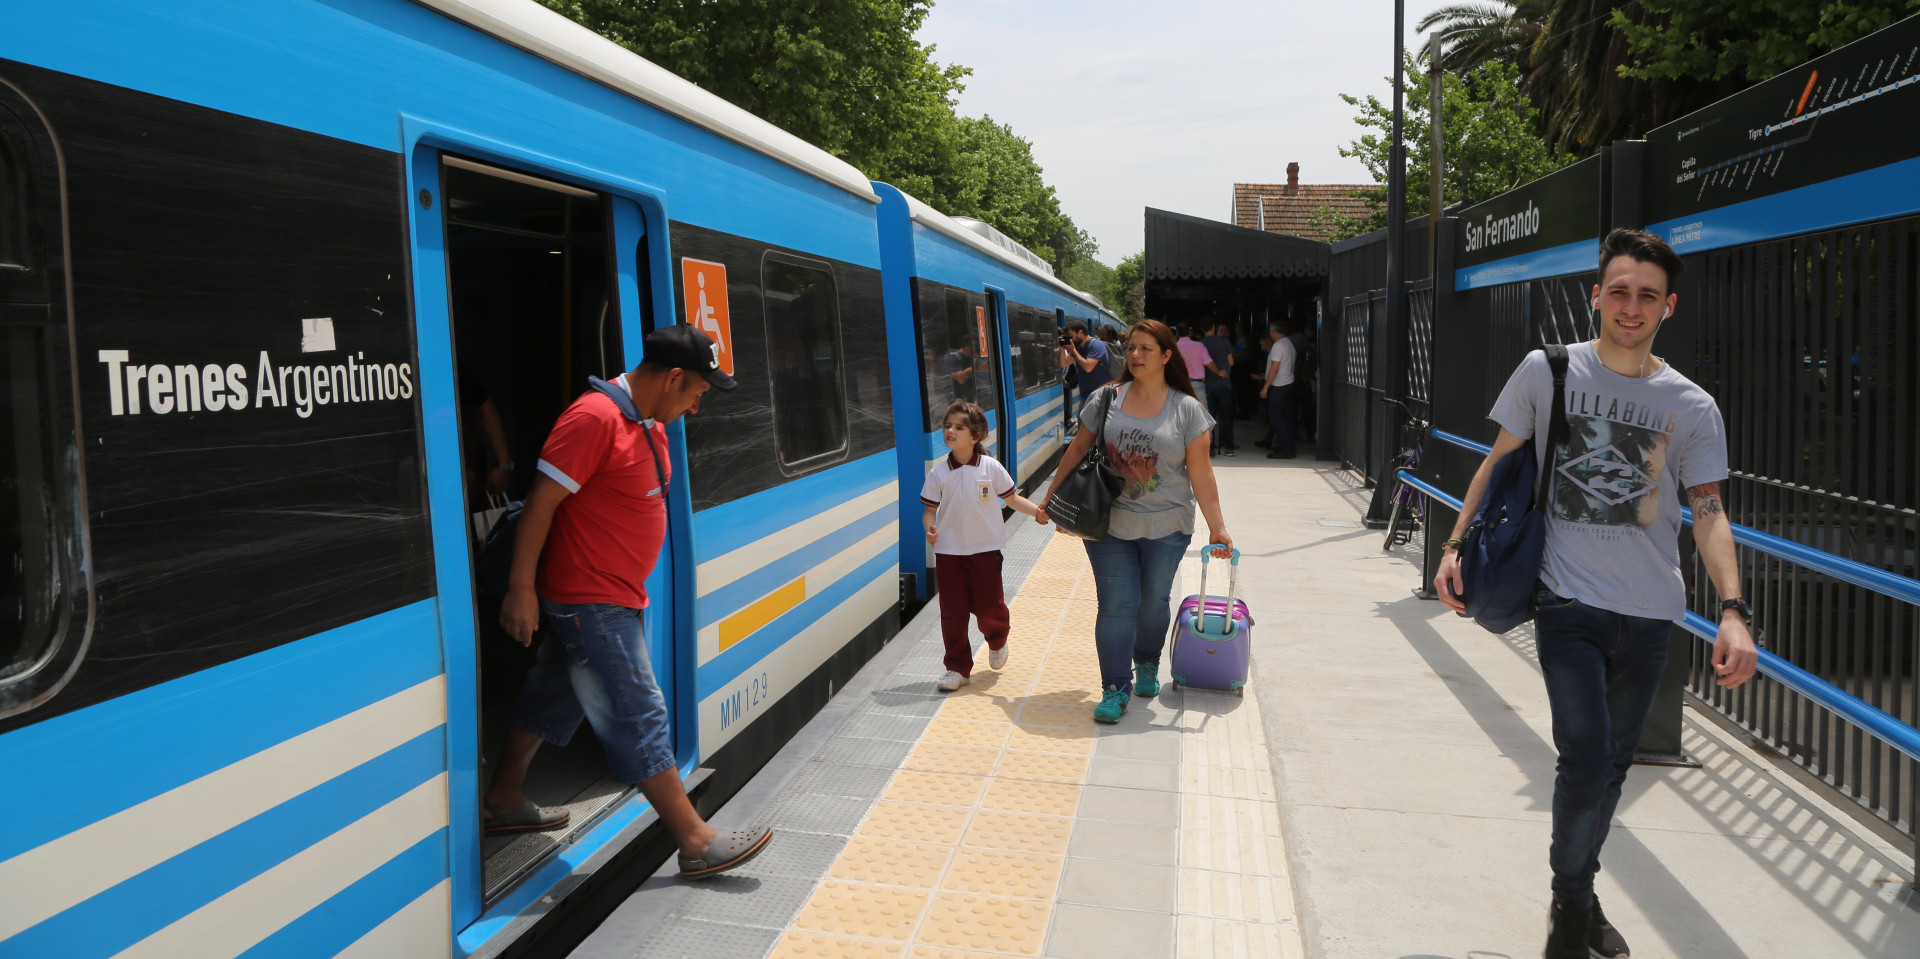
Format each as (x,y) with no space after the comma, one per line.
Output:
(508,466)
(1741,606)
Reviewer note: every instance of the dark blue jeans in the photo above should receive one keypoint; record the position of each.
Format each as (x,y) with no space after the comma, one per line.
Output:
(1220,405)
(1133,579)
(1280,418)
(593,664)
(1602,669)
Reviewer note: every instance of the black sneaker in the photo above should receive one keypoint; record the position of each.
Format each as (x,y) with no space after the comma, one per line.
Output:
(1568,927)
(1603,940)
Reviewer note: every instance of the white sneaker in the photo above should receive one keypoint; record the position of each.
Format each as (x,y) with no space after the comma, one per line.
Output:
(997,658)
(951,681)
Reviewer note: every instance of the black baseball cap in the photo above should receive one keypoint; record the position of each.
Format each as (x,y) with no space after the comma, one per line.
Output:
(683,347)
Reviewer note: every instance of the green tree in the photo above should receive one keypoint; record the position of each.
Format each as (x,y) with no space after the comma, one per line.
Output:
(1605,70)
(1491,143)
(849,77)
(845,75)
(1090,275)
(984,170)
(1707,41)
(1128,298)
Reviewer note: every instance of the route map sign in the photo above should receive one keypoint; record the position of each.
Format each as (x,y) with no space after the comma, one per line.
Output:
(1830,142)
(1549,227)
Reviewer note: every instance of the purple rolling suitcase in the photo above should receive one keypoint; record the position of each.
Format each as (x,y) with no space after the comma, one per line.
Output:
(1213,636)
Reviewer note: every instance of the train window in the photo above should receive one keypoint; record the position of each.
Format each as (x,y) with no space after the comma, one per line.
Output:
(13,209)
(43,589)
(26,499)
(1033,353)
(804,362)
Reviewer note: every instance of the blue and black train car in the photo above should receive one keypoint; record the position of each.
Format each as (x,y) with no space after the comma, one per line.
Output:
(267,271)
(971,316)
(284,288)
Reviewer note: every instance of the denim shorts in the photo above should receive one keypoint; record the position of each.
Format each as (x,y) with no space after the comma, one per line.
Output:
(593,665)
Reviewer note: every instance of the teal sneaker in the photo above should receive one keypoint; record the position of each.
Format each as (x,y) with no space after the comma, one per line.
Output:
(1146,679)
(1111,706)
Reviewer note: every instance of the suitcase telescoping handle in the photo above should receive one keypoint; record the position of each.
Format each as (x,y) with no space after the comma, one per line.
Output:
(1233,586)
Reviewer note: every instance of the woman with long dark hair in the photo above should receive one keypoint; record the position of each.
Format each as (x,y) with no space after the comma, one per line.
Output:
(1157,433)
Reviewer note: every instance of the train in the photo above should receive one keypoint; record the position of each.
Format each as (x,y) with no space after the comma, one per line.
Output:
(274,279)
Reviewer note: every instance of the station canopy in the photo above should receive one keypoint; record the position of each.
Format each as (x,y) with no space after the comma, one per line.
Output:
(1182,247)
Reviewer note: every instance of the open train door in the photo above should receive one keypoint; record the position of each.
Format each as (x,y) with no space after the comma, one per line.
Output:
(994,346)
(547,282)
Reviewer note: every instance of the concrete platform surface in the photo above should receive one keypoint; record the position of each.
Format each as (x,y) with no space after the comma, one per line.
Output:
(1381,792)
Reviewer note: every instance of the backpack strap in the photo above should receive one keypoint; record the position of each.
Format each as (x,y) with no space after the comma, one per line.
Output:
(1557,429)
(624,400)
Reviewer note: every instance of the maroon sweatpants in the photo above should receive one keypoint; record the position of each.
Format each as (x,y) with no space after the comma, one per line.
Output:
(970,586)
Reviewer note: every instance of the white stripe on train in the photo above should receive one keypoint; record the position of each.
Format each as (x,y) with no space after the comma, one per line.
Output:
(53,877)
(732,566)
(794,659)
(818,580)
(257,908)
(421,928)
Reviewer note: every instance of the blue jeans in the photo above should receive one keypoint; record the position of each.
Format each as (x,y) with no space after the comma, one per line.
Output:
(1602,670)
(1133,579)
(593,665)
(1220,404)
(1280,418)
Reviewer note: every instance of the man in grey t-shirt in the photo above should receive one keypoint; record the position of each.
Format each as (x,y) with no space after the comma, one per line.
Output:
(1610,586)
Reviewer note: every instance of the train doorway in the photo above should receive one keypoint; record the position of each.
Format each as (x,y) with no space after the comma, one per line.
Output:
(993,322)
(534,309)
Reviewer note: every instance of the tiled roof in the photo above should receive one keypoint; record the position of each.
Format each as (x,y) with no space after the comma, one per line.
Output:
(1289,214)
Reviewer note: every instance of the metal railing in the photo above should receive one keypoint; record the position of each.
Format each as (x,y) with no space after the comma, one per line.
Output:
(1863,715)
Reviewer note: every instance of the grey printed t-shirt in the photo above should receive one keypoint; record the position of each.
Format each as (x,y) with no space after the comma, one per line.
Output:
(1151,456)
(1634,445)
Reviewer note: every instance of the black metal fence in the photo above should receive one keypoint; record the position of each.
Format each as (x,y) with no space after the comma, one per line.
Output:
(1808,343)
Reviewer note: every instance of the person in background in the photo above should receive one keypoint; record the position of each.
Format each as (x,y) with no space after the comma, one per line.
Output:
(962,500)
(1194,354)
(1116,354)
(1303,359)
(1219,387)
(476,401)
(1086,357)
(1156,433)
(1277,390)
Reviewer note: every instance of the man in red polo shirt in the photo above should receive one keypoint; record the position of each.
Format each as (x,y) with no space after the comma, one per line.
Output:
(588,537)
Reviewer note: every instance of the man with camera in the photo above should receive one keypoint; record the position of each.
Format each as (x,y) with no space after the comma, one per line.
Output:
(1087,356)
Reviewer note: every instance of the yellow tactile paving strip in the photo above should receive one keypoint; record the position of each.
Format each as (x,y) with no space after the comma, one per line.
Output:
(964,854)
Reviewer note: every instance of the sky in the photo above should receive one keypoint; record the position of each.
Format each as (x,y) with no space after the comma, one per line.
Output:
(1132,104)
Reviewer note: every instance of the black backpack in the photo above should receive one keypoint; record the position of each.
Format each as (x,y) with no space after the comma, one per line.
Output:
(1500,559)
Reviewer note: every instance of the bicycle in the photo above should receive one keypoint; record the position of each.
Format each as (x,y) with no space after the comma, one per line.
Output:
(1407,501)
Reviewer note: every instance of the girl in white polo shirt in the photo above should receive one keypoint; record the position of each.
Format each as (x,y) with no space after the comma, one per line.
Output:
(963,498)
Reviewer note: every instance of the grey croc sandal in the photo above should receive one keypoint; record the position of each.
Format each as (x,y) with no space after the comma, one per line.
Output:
(526,817)
(729,849)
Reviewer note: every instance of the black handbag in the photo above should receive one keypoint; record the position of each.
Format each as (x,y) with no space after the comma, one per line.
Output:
(1084,502)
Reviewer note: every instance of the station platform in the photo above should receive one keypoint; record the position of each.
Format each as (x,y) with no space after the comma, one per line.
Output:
(1382,790)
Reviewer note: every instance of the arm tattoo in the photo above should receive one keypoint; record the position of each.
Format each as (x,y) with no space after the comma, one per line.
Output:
(1705,499)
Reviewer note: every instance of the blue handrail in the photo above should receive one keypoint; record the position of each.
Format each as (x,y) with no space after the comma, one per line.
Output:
(1876,722)
(1839,567)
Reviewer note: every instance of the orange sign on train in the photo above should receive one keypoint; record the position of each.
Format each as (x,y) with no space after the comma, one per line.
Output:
(704,285)
(980,317)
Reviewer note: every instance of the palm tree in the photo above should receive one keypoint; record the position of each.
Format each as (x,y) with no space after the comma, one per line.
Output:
(1569,55)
